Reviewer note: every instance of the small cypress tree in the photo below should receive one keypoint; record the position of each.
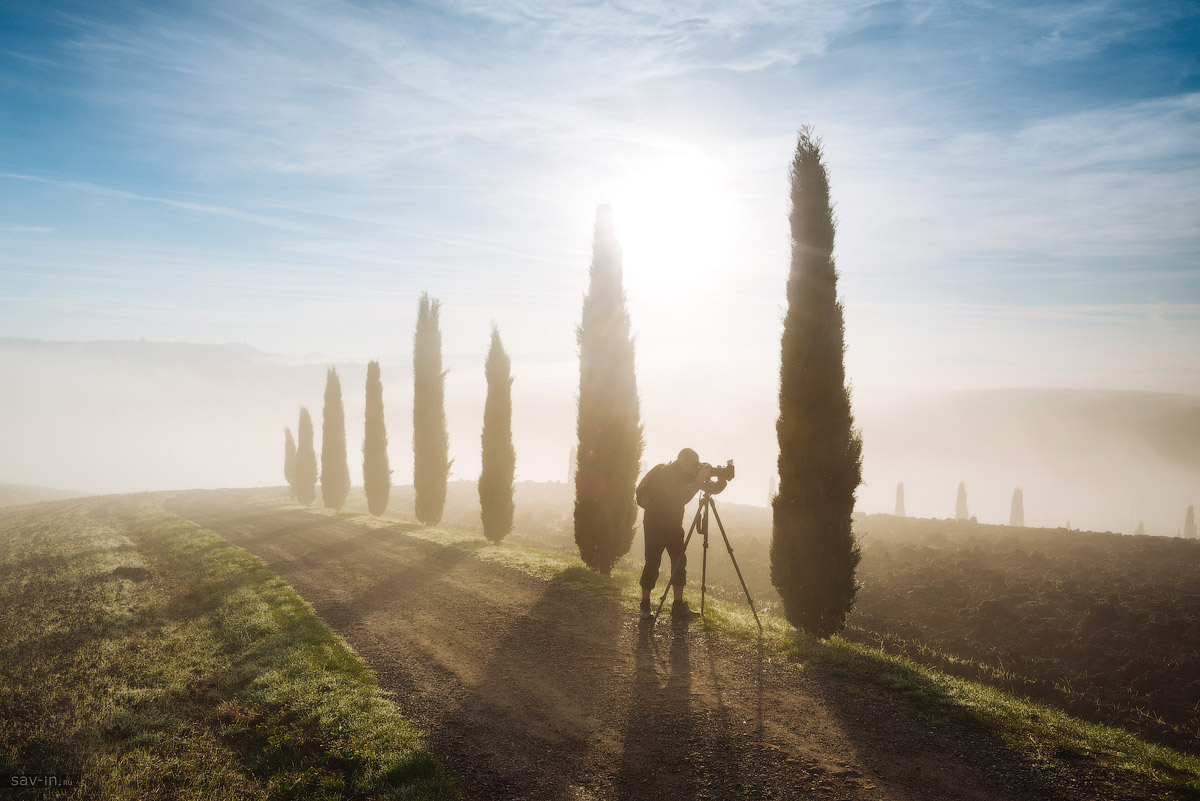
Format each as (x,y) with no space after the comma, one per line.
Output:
(1189,524)
(960,505)
(814,554)
(609,423)
(1016,517)
(306,460)
(431,442)
(900,500)
(377,475)
(1141,529)
(335,470)
(289,461)
(499,457)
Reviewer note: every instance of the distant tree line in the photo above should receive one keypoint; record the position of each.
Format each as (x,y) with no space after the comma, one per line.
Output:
(431,463)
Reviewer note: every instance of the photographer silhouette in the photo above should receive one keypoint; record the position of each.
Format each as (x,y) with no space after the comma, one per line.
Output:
(664,492)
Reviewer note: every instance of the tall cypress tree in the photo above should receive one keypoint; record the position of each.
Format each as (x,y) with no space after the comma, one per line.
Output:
(900,499)
(306,460)
(960,503)
(377,475)
(499,457)
(431,442)
(335,470)
(1016,516)
(289,460)
(814,553)
(1189,524)
(609,424)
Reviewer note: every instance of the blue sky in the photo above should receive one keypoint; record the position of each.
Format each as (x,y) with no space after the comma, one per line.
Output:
(1018,185)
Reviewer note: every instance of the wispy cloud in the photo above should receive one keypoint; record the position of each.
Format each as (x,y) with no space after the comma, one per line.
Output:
(185,205)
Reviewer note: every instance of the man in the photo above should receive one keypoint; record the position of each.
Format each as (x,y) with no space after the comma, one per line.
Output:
(663,493)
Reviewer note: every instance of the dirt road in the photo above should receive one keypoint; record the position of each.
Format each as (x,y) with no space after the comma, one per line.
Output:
(533,689)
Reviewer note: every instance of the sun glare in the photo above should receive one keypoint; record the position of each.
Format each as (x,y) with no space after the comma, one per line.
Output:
(675,219)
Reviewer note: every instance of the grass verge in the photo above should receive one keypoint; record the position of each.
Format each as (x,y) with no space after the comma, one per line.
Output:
(145,657)
(1111,761)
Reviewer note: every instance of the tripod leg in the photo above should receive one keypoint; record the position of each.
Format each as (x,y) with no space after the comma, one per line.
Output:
(704,559)
(674,568)
(729,547)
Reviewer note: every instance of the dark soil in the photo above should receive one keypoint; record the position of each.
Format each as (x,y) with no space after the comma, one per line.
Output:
(533,689)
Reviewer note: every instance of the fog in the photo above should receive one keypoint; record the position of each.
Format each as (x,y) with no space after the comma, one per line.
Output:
(118,417)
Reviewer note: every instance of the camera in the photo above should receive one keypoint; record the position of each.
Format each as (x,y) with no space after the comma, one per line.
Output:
(706,471)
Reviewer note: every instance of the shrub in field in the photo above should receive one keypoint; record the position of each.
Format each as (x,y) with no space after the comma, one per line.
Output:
(335,471)
(609,423)
(814,554)
(306,460)
(431,442)
(499,457)
(289,460)
(377,475)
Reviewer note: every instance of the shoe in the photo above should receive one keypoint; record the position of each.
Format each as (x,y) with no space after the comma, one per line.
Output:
(647,613)
(681,609)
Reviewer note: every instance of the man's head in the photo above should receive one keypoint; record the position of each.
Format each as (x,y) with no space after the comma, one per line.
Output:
(687,462)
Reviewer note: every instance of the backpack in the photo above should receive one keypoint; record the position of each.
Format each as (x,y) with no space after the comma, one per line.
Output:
(646,487)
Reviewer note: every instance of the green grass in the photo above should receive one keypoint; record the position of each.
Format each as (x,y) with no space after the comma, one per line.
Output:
(150,658)
(1111,760)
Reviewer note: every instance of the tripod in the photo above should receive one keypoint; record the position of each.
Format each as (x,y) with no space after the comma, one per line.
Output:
(700,523)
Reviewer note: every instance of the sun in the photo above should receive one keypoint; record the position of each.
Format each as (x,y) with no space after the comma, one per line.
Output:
(675,219)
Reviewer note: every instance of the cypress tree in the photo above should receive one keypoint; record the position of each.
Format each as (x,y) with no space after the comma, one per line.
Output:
(609,423)
(1141,529)
(377,475)
(900,500)
(1017,516)
(431,442)
(335,470)
(960,504)
(306,460)
(1189,524)
(813,549)
(289,461)
(499,457)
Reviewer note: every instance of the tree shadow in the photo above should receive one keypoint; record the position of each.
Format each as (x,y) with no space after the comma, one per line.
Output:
(523,722)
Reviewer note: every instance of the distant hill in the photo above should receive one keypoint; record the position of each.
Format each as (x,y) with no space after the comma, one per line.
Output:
(13,494)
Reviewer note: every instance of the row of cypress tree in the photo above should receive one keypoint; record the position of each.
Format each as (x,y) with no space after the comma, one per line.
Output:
(300,461)
(813,552)
(431,443)
(1016,515)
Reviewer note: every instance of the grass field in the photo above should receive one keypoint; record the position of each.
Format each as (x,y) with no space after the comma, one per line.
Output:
(1106,761)
(147,658)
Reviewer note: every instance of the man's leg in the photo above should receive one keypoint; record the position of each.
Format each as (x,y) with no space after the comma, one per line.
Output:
(654,552)
(674,546)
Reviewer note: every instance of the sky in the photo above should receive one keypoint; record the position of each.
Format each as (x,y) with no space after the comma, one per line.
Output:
(1017,187)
